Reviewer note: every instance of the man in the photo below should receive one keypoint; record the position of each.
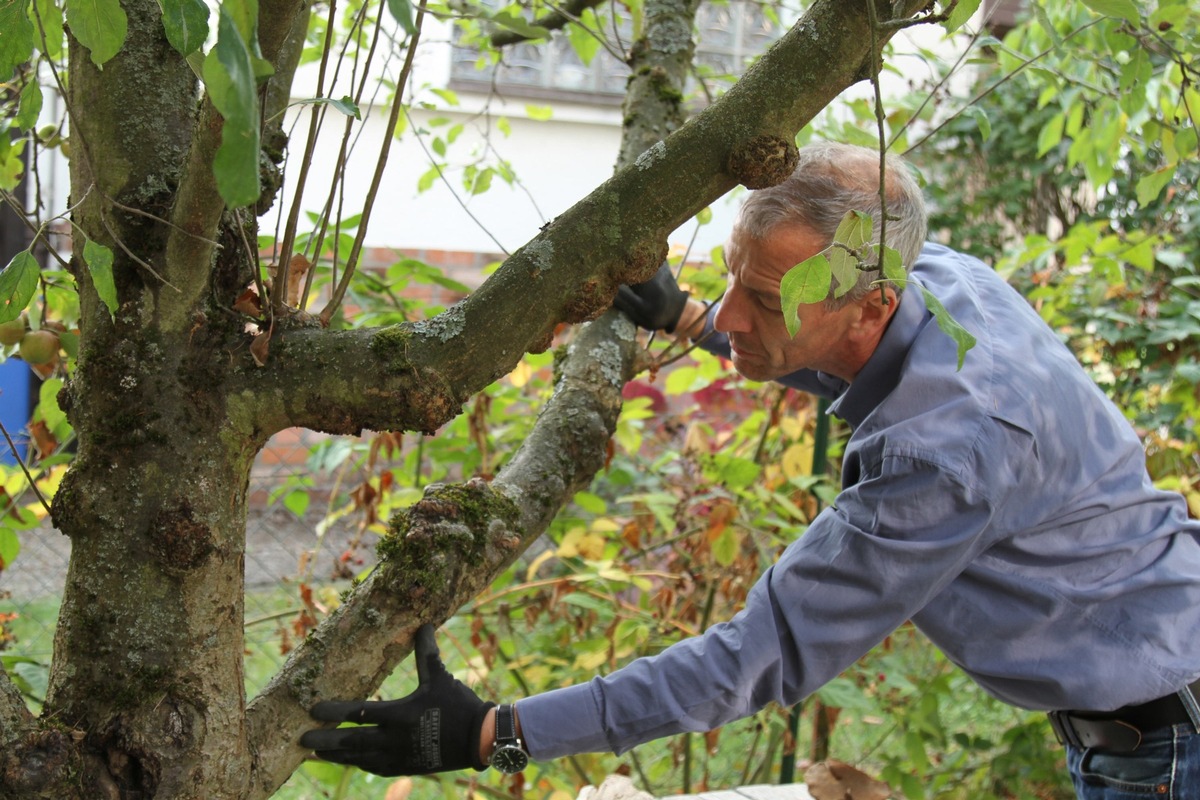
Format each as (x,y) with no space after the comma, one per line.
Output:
(1003,507)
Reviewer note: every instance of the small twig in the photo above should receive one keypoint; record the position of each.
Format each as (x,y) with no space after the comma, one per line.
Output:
(356,249)
(453,192)
(318,111)
(32,484)
(160,220)
(1028,62)
(876,59)
(893,25)
(140,262)
(252,255)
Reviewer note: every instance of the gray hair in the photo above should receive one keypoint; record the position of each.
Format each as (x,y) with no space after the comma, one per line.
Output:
(830,180)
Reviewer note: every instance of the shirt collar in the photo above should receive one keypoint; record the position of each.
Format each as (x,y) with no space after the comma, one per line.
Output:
(881,373)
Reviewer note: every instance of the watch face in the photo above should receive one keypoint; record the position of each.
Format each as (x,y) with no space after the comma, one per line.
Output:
(510,759)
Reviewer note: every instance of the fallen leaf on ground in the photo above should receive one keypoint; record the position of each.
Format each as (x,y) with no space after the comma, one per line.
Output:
(833,780)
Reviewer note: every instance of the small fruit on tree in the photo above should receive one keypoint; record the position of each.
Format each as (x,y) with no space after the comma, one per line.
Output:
(39,347)
(13,331)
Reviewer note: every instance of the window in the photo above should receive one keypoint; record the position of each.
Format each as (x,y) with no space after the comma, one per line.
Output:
(731,35)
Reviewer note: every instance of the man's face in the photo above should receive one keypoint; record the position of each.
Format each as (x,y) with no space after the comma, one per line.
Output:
(751,315)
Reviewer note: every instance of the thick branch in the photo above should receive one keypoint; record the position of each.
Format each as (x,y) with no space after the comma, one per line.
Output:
(447,549)
(559,18)
(14,716)
(198,209)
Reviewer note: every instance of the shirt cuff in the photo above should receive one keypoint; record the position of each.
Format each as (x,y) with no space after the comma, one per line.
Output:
(562,722)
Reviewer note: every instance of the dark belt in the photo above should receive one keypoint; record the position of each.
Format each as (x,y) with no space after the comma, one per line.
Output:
(1120,731)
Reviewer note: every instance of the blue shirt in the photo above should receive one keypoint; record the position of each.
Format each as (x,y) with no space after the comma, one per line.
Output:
(1004,508)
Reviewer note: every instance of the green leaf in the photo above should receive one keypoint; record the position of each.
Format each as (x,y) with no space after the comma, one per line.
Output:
(229,76)
(1051,134)
(854,230)
(18,283)
(50,40)
(402,12)
(725,546)
(590,502)
(186,24)
(10,545)
(843,266)
(426,181)
(296,501)
(1185,144)
(539,113)
(346,105)
(735,472)
(949,325)
(12,166)
(99,25)
(585,44)
(1047,24)
(519,25)
(99,261)
(852,233)
(48,407)
(244,15)
(450,96)
(961,13)
(807,282)
(30,106)
(893,266)
(16,38)
(1125,9)
(1149,187)
(481,181)
(982,121)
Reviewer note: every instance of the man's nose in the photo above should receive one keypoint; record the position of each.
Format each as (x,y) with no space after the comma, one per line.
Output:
(731,316)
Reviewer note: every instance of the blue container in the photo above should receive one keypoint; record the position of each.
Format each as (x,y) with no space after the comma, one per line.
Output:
(16,406)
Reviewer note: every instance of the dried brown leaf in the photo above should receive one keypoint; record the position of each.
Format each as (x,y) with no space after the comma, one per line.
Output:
(834,780)
(248,303)
(261,347)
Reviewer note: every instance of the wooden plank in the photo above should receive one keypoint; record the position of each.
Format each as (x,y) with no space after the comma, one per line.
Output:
(792,791)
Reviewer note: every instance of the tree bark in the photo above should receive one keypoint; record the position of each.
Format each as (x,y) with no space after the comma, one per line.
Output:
(146,693)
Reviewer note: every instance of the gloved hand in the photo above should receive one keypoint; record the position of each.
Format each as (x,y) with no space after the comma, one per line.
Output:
(656,304)
(434,729)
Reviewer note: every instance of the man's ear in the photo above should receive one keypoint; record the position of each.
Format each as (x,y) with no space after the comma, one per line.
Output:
(875,312)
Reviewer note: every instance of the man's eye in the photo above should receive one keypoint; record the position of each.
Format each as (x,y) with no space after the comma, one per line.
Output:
(769,302)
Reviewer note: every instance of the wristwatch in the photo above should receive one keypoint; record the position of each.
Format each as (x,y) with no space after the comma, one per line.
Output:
(509,754)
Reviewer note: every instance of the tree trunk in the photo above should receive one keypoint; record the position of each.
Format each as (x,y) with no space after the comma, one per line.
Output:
(146,694)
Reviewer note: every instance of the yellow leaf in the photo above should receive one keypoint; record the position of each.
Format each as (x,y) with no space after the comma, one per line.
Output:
(578,542)
(797,460)
(545,556)
(589,662)
(520,375)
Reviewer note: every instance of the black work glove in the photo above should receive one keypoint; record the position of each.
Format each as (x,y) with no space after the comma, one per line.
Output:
(656,304)
(434,729)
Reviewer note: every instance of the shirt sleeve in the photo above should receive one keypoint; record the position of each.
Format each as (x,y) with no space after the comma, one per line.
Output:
(862,569)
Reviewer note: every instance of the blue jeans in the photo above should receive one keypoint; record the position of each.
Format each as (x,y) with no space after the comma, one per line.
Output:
(1166,765)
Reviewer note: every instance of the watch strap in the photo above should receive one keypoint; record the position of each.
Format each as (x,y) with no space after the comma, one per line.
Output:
(506,723)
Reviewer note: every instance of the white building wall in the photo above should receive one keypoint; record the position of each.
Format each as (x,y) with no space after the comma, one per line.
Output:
(558,162)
